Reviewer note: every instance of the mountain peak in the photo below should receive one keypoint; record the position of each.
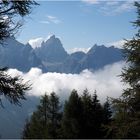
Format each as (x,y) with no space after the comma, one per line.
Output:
(99,46)
(52,37)
(51,50)
(96,47)
(53,40)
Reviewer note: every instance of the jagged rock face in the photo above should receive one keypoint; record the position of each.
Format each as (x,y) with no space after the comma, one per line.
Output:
(17,55)
(99,56)
(96,58)
(72,63)
(51,50)
(52,57)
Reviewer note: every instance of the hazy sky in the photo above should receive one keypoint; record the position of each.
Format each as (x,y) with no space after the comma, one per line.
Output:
(80,24)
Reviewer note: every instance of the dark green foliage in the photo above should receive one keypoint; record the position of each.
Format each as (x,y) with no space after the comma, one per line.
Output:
(35,128)
(126,123)
(12,88)
(107,112)
(72,117)
(131,74)
(87,131)
(122,125)
(107,119)
(45,122)
(97,117)
(9,9)
(54,116)
(83,116)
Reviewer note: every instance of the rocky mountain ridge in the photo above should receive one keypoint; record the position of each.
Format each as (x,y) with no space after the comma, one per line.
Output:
(52,57)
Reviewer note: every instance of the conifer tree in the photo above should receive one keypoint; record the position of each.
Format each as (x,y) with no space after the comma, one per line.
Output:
(54,116)
(83,116)
(126,122)
(72,117)
(45,121)
(9,9)
(37,126)
(107,112)
(107,118)
(91,107)
(97,117)
(87,115)
(11,13)
(131,74)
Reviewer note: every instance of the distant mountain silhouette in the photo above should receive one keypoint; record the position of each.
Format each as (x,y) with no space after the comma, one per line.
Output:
(56,59)
(14,54)
(99,56)
(51,51)
(52,57)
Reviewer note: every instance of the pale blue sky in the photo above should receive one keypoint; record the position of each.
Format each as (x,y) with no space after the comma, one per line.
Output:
(80,24)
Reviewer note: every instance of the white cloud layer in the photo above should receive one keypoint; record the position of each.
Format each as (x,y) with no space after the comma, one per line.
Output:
(44,22)
(105,81)
(53,19)
(110,7)
(35,43)
(117,44)
(48,19)
(91,1)
(85,50)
